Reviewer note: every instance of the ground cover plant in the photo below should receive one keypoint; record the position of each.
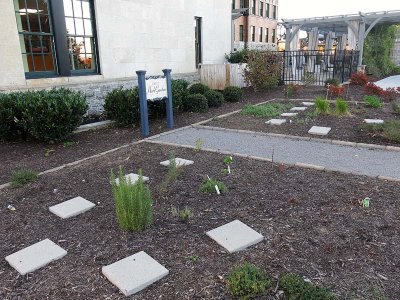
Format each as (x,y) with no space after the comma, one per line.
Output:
(390,130)
(133,202)
(268,110)
(22,177)
(372,101)
(184,215)
(209,186)
(313,222)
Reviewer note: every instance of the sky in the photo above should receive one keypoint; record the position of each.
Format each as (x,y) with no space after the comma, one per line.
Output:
(292,9)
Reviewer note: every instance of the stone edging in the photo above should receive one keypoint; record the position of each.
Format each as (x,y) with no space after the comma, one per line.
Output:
(264,159)
(94,126)
(303,138)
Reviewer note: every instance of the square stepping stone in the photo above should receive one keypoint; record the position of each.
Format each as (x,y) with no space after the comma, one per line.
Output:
(35,257)
(276,121)
(235,236)
(317,130)
(134,273)
(72,208)
(133,177)
(289,114)
(298,108)
(374,121)
(179,162)
(308,103)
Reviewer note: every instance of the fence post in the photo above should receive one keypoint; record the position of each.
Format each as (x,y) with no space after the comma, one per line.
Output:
(144,117)
(169,101)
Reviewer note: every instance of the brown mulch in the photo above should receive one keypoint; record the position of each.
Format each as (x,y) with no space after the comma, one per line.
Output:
(312,222)
(346,128)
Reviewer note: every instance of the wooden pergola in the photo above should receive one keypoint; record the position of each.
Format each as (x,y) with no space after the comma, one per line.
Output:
(353,28)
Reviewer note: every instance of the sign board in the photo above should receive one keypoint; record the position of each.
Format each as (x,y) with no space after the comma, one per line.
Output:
(156,88)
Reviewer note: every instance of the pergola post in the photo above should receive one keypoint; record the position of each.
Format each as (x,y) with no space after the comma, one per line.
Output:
(360,44)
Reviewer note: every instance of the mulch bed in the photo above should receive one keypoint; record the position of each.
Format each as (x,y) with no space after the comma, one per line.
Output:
(346,128)
(312,222)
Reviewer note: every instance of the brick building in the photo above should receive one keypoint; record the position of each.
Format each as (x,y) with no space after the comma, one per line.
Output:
(257,28)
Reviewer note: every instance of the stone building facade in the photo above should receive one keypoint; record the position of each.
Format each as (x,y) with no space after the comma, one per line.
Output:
(257,28)
(98,45)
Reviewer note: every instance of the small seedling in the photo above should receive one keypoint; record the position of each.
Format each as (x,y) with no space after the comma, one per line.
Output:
(199,144)
(213,186)
(184,215)
(173,173)
(194,258)
(228,161)
(22,177)
(48,152)
(365,202)
(70,143)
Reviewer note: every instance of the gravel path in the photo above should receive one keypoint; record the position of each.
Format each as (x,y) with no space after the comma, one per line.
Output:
(364,161)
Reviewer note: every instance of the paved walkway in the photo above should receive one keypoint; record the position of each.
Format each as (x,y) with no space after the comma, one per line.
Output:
(389,82)
(364,161)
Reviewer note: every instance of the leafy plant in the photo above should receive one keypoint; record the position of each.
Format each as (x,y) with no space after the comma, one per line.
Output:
(122,106)
(331,81)
(237,57)
(70,143)
(372,89)
(390,130)
(214,98)
(390,94)
(396,107)
(264,69)
(228,161)
(22,177)
(268,110)
(48,152)
(198,88)
(372,101)
(292,90)
(322,105)
(133,202)
(208,186)
(10,116)
(233,94)
(295,288)
(359,78)
(179,91)
(336,91)
(184,215)
(246,281)
(173,172)
(199,144)
(342,107)
(195,103)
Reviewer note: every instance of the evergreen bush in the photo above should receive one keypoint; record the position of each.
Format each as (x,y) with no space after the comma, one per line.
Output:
(198,88)
(233,94)
(214,98)
(122,105)
(195,103)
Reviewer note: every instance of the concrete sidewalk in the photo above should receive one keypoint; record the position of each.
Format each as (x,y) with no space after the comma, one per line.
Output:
(363,161)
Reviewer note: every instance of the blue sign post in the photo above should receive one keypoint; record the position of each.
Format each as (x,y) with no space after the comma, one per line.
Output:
(154,88)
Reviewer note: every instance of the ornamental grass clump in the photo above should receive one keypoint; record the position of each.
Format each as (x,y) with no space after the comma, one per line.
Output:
(247,281)
(22,177)
(342,107)
(322,105)
(133,202)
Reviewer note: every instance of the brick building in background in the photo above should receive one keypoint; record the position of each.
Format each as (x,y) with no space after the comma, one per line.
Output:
(257,28)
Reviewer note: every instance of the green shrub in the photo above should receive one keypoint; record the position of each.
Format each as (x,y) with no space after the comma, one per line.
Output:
(233,94)
(269,110)
(133,202)
(342,107)
(122,106)
(198,88)
(264,70)
(295,288)
(195,103)
(247,281)
(322,105)
(237,57)
(22,177)
(208,186)
(214,98)
(391,131)
(9,114)
(332,81)
(396,107)
(372,101)
(179,91)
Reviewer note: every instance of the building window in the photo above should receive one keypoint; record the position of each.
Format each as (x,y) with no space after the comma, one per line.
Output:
(253,33)
(242,4)
(267,10)
(261,9)
(233,4)
(57,37)
(266,35)
(241,33)
(274,12)
(261,34)
(253,8)
(273,35)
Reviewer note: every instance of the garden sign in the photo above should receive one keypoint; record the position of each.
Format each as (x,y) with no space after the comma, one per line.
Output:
(154,88)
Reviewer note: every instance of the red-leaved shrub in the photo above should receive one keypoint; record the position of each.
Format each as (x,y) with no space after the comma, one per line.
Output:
(336,91)
(359,78)
(373,89)
(390,94)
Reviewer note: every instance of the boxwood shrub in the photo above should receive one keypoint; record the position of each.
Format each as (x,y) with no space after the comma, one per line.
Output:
(214,98)
(122,105)
(233,94)
(179,91)
(195,103)
(47,115)
(198,88)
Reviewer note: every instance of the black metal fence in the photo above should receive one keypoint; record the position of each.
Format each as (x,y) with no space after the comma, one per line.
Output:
(314,67)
